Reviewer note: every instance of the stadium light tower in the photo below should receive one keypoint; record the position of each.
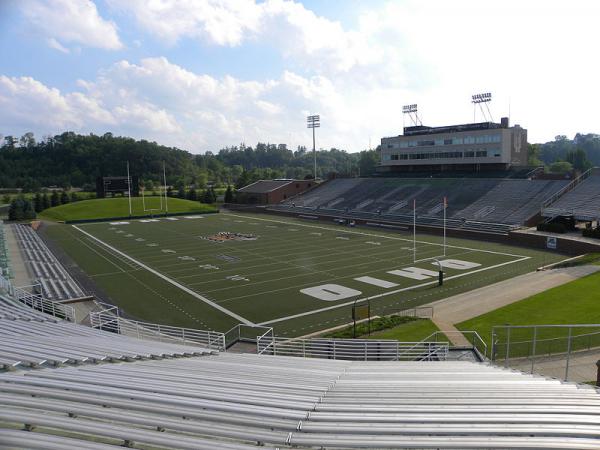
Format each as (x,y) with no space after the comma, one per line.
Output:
(411,110)
(314,122)
(482,99)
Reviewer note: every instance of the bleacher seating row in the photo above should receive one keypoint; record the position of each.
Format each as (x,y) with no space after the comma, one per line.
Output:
(482,204)
(55,282)
(583,202)
(182,397)
(33,339)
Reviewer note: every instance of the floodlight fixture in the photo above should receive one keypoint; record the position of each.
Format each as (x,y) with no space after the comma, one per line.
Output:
(411,110)
(482,99)
(313,122)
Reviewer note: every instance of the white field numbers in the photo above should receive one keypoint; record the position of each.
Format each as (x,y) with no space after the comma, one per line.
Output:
(332,292)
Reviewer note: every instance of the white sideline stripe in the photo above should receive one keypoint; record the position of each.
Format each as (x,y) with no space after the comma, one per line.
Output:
(168,280)
(377,282)
(429,283)
(380,236)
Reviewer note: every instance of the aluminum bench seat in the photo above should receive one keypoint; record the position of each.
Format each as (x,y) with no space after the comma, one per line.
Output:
(11,439)
(114,431)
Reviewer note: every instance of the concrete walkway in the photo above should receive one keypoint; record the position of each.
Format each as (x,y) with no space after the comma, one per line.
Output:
(21,276)
(467,305)
(582,365)
(452,333)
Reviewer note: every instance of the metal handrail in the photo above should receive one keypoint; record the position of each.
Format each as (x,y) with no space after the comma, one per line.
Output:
(356,349)
(152,331)
(39,303)
(475,341)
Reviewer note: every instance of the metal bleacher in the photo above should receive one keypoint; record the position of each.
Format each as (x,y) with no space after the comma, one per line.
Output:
(67,386)
(478,204)
(582,202)
(31,338)
(54,281)
(236,401)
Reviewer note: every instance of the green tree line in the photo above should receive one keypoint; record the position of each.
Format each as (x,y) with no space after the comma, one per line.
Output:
(71,159)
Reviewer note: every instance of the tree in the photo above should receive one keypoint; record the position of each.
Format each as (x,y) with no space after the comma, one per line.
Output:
(561,167)
(37,203)
(15,211)
(6,199)
(28,210)
(64,198)
(191,195)
(229,194)
(209,196)
(181,191)
(21,209)
(54,199)
(74,197)
(578,158)
(533,155)
(45,201)
(169,191)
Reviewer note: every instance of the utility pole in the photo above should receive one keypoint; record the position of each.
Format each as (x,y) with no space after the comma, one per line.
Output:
(314,122)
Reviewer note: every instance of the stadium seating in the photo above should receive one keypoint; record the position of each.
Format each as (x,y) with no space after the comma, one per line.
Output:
(33,339)
(495,205)
(512,201)
(583,201)
(55,282)
(236,401)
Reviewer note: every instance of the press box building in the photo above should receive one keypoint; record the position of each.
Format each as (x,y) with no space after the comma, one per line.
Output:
(473,146)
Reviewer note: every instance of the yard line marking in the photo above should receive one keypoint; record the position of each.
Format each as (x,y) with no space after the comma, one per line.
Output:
(328,308)
(168,280)
(382,236)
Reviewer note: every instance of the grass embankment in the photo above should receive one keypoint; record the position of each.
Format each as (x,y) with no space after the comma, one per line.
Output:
(119,207)
(576,302)
(400,328)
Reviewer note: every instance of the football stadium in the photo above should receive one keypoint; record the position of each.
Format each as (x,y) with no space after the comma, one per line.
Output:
(413,308)
(221,227)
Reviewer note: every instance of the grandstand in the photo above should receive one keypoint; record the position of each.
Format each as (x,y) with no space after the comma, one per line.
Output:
(48,273)
(62,393)
(473,203)
(581,200)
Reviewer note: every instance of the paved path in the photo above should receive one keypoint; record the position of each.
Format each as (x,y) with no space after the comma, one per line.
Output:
(453,334)
(582,365)
(19,271)
(461,307)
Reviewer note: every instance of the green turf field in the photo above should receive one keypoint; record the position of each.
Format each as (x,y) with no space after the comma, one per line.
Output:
(206,284)
(119,207)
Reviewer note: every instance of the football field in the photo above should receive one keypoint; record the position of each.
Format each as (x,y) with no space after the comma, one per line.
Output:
(299,276)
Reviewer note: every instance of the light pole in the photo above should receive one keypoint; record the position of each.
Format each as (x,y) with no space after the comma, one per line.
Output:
(314,122)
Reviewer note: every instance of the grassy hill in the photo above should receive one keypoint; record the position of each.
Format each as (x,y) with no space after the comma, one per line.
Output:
(119,207)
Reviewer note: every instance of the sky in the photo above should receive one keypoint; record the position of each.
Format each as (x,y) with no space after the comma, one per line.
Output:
(203,75)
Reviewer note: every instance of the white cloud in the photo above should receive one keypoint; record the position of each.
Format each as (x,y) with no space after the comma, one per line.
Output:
(64,22)
(435,54)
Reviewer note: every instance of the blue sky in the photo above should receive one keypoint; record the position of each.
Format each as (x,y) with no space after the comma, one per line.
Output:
(201,75)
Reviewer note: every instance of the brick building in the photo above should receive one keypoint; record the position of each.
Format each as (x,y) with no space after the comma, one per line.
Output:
(268,192)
